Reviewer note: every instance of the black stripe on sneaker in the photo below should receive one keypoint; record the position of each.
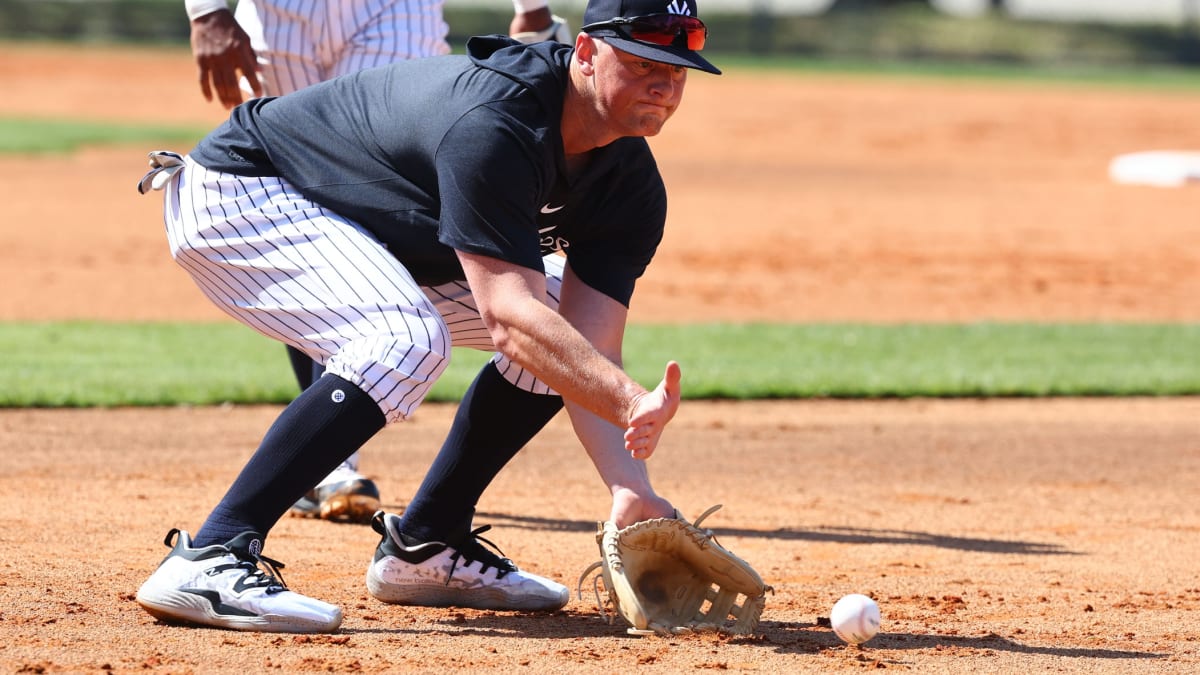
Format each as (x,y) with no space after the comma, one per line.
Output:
(214,598)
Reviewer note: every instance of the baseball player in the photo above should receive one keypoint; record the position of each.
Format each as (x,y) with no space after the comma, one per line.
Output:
(275,47)
(506,200)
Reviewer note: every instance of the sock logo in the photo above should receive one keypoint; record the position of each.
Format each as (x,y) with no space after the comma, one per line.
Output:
(338,396)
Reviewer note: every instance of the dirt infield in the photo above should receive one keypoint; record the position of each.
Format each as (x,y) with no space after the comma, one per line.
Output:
(998,536)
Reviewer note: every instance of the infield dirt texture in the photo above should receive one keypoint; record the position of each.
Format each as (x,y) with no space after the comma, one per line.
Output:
(1003,536)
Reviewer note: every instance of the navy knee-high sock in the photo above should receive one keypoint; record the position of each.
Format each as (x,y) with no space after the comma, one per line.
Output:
(324,425)
(494,421)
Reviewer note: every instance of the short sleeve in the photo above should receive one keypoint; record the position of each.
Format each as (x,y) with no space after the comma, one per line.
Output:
(490,174)
(620,222)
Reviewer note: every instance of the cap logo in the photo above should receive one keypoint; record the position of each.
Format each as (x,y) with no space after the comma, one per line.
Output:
(678,7)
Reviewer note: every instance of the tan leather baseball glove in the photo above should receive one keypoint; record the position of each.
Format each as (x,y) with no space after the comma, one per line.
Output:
(668,576)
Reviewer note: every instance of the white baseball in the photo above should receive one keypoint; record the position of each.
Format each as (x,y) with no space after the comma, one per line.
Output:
(855,618)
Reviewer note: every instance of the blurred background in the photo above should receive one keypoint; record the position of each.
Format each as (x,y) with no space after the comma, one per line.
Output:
(917,195)
(1050,33)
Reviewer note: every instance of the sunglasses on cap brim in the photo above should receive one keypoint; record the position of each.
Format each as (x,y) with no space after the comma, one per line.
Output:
(657,29)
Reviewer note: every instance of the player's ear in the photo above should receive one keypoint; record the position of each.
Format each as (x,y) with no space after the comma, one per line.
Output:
(585,53)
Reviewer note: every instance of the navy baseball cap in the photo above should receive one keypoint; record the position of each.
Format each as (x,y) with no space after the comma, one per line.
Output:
(667,31)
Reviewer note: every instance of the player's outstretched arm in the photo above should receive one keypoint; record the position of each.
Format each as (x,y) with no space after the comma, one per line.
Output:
(222,51)
(619,461)
(511,301)
(577,352)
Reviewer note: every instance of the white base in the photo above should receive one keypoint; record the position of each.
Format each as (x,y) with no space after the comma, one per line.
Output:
(1159,168)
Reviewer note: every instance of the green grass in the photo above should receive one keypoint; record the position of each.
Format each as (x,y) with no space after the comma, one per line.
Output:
(114,364)
(37,136)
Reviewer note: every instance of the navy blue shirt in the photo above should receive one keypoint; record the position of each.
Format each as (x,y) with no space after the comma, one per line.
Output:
(457,153)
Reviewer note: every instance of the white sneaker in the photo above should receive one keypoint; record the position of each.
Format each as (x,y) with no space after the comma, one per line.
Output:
(406,571)
(223,586)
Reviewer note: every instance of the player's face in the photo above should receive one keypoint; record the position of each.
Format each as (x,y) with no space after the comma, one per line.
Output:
(636,95)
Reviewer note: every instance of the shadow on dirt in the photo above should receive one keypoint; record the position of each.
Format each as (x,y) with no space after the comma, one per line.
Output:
(991,641)
(789,637)
(779,636)
(843,535)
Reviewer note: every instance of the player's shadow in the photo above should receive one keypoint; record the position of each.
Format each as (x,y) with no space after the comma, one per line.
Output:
(567,624)
(843,535)
(779,636)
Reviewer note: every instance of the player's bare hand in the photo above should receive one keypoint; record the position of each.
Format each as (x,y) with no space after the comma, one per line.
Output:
(539,25)
(531,21)
(650,413)
(222,51)
(629,507)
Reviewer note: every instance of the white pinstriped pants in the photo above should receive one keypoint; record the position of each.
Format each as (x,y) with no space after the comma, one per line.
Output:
(303,42)
(301,274)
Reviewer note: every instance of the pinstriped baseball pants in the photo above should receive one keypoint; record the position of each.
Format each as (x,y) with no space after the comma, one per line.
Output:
(303,42)
(301,274)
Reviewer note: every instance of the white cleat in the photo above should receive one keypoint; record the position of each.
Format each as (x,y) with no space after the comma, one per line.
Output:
(464,574)
(223,586)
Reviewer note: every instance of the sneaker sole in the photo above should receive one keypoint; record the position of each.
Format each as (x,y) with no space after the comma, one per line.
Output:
(173,606)
(440,595)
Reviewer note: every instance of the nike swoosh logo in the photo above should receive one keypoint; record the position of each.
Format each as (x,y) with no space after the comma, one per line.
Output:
(551,209)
